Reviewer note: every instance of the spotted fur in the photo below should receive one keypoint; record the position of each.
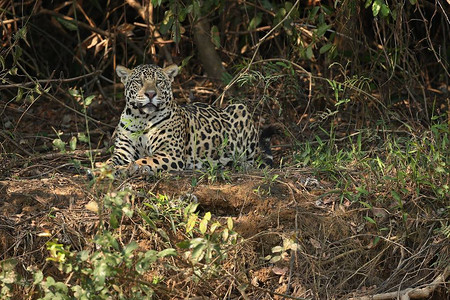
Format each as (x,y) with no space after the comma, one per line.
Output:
(155,134)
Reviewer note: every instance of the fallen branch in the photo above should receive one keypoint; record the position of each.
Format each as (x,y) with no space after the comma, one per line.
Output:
(411,293)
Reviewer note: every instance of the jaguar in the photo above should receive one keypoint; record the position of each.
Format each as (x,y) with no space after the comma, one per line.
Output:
(156,134)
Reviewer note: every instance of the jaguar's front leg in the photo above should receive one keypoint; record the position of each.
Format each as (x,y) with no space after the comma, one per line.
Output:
(158,162)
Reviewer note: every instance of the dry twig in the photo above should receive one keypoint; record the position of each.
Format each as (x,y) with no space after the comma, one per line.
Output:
(411,293)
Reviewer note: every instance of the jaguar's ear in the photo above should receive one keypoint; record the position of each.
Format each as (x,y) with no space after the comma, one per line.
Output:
(123,73)
(171,71)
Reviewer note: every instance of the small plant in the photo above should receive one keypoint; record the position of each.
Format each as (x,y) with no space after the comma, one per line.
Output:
(282,252)
(209,241)
(8,278)
(214,171)
(101,272)
(58,143)
(268,181)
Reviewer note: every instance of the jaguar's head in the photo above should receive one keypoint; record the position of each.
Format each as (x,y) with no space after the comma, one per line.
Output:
(148,88)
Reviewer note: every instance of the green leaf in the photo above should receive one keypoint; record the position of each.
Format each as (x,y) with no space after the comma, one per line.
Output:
(82,137)
(367,4)
(370,220)
(288,5)
(279,16)
(328,10)
(366,204)
(38,277)
(21,34)
(196,9)
(203,226)
(313,12)
(130,248)
(405,217)
(230,223)
(38,89)
(320,31)
(127,211)
(275,259)
(13,71)
(185,61)
(198,252)
(376,6)
(309,52)
(214,226)
(148,221)
(167,22)
(440,169)
(283,64)
(113,221)
(325,48)
(62,288)
(191,223)
(83,255)
(362,190)
(184,244)
(226,77)
(215,36)
(385,11)
(8,264)
(182,13)
(277,249)
(413,2)
(193,207)
(225,234)
(68,24)
(376,240)
(100,273)
(112,242)
(88,100)
(168,252)
(50,281)
(267,4)
(176,32)
(59,145)
(73,143)
(396,196)
(19,94)
(144,263)
(256,20)
(74,92)
(30,98)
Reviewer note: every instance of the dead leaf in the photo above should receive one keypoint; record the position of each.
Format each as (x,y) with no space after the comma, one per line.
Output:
(92,206)
(279,271)
(315,243)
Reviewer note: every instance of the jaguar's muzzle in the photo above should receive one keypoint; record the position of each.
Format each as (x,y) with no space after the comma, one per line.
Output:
(147,108)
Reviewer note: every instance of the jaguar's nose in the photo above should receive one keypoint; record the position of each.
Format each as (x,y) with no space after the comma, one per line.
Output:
(150,94)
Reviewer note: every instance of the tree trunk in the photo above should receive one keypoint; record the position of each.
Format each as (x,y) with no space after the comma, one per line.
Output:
(206,51)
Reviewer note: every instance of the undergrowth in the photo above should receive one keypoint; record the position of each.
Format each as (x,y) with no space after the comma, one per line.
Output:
(413,165)
(115,266)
